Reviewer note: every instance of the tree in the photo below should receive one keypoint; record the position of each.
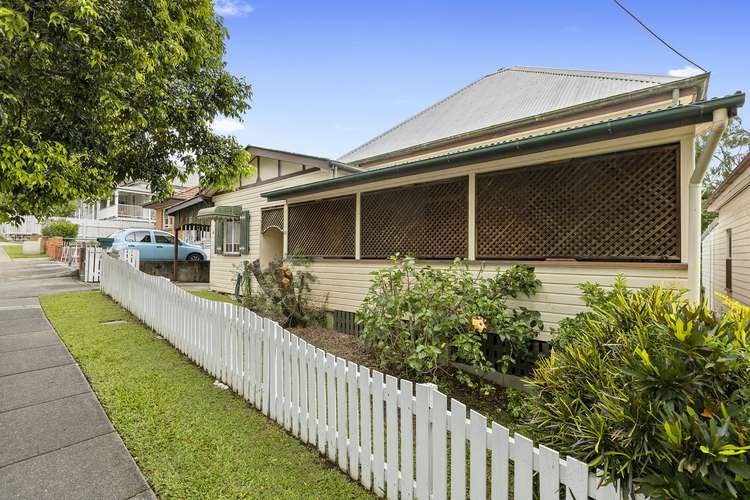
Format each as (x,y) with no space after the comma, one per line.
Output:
(94,93)
(733,146)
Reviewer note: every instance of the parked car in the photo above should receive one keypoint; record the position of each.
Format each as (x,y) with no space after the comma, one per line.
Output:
(155,245)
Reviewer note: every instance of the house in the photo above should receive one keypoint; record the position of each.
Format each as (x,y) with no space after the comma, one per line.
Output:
(584,175)
(244,225)
(165,222)
(726,242)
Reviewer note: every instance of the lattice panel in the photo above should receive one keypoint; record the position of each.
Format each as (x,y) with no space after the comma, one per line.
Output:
(426,220)
(623,206)
(323,228)
(272,217)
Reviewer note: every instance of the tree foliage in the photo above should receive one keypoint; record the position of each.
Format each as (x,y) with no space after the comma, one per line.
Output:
(733,146)
(98,92)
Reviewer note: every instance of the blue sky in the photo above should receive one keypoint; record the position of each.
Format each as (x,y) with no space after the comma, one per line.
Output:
(328,76)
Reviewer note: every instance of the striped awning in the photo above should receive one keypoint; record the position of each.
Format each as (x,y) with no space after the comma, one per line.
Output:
(220,212)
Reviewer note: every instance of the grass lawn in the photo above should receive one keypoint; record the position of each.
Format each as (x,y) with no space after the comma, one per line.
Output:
(16,252)
(190,439)
(211,295)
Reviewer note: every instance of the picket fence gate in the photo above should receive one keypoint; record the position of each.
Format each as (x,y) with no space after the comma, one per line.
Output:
(396,442)
(92,264)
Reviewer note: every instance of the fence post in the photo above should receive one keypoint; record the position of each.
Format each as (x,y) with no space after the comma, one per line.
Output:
(431,390)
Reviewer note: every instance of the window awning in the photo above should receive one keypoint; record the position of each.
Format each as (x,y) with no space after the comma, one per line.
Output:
(220,212)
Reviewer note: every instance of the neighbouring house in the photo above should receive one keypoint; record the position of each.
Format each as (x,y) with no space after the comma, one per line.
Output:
(244,225)
(164,221)
(584,175)
(726,242)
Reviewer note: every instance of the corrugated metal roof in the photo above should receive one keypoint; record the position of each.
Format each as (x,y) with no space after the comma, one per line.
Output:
(504,96)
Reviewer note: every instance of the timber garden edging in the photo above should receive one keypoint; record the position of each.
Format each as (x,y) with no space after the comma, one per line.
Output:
(365,422)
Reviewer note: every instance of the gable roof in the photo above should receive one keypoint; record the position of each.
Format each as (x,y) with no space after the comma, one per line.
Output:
(506,96)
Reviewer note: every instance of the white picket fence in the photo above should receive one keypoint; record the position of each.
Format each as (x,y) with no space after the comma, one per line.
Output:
(396,442)
(92,264)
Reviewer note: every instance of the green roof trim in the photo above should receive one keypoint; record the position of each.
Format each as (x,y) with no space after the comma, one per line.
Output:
(220,212)
(689,114)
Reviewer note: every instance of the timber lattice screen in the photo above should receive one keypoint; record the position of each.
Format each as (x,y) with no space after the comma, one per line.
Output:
(622,206)
(426,220)
(323,228)
(271,217)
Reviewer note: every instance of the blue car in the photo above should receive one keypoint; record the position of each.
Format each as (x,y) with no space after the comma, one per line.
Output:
(153,244)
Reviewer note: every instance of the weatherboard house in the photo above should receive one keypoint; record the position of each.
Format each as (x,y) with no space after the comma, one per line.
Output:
(585,175)
(726,242)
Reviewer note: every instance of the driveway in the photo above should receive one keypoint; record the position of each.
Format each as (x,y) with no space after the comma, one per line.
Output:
(56,442)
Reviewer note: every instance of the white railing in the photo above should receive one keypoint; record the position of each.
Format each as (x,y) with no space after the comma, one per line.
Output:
(135,211)
(87,228)
(366,422)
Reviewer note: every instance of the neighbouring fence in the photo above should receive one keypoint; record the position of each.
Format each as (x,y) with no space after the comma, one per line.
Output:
(92,263)
(396,442)
(87,228)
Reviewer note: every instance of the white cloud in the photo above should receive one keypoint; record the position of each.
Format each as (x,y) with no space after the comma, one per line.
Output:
(232,8)
(685,72)
(227,125)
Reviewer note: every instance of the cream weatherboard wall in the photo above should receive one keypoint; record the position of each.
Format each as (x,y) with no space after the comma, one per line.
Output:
(733,206)
(224,268)
(342,283)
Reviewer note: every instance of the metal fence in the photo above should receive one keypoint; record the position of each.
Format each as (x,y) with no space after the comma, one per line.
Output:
(398,439)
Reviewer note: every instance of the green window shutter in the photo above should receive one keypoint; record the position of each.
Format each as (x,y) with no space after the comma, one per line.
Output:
(218,236)
(245,233)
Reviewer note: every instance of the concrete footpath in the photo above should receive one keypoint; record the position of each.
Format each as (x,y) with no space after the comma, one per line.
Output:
(56,442)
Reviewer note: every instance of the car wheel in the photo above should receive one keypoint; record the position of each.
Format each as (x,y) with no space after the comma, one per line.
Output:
(195,257)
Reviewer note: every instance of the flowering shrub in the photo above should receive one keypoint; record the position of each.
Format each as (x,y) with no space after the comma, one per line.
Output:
(420,319)
(653,390)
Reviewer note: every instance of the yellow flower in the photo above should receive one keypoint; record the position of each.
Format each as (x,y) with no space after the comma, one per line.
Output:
(478,324)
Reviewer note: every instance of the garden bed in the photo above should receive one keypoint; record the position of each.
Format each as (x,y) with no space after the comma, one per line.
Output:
(496,406)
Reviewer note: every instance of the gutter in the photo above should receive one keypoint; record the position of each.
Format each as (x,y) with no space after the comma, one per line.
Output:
(695,190)
(688,114)
(335,165)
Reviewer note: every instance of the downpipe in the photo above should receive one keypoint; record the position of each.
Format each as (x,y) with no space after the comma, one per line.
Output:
(695,192)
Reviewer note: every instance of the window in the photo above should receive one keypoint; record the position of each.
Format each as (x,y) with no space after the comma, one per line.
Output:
(428,220)
(323,228)
(728,262)
(232,237)
(167,220)
(139,237)
(621,206)
(165,239)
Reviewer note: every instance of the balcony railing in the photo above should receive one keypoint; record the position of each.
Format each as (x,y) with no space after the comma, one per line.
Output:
(135,211)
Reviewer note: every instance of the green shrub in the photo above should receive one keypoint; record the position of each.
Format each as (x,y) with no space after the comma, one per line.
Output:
(420,319)
(60,227)
(653,390)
